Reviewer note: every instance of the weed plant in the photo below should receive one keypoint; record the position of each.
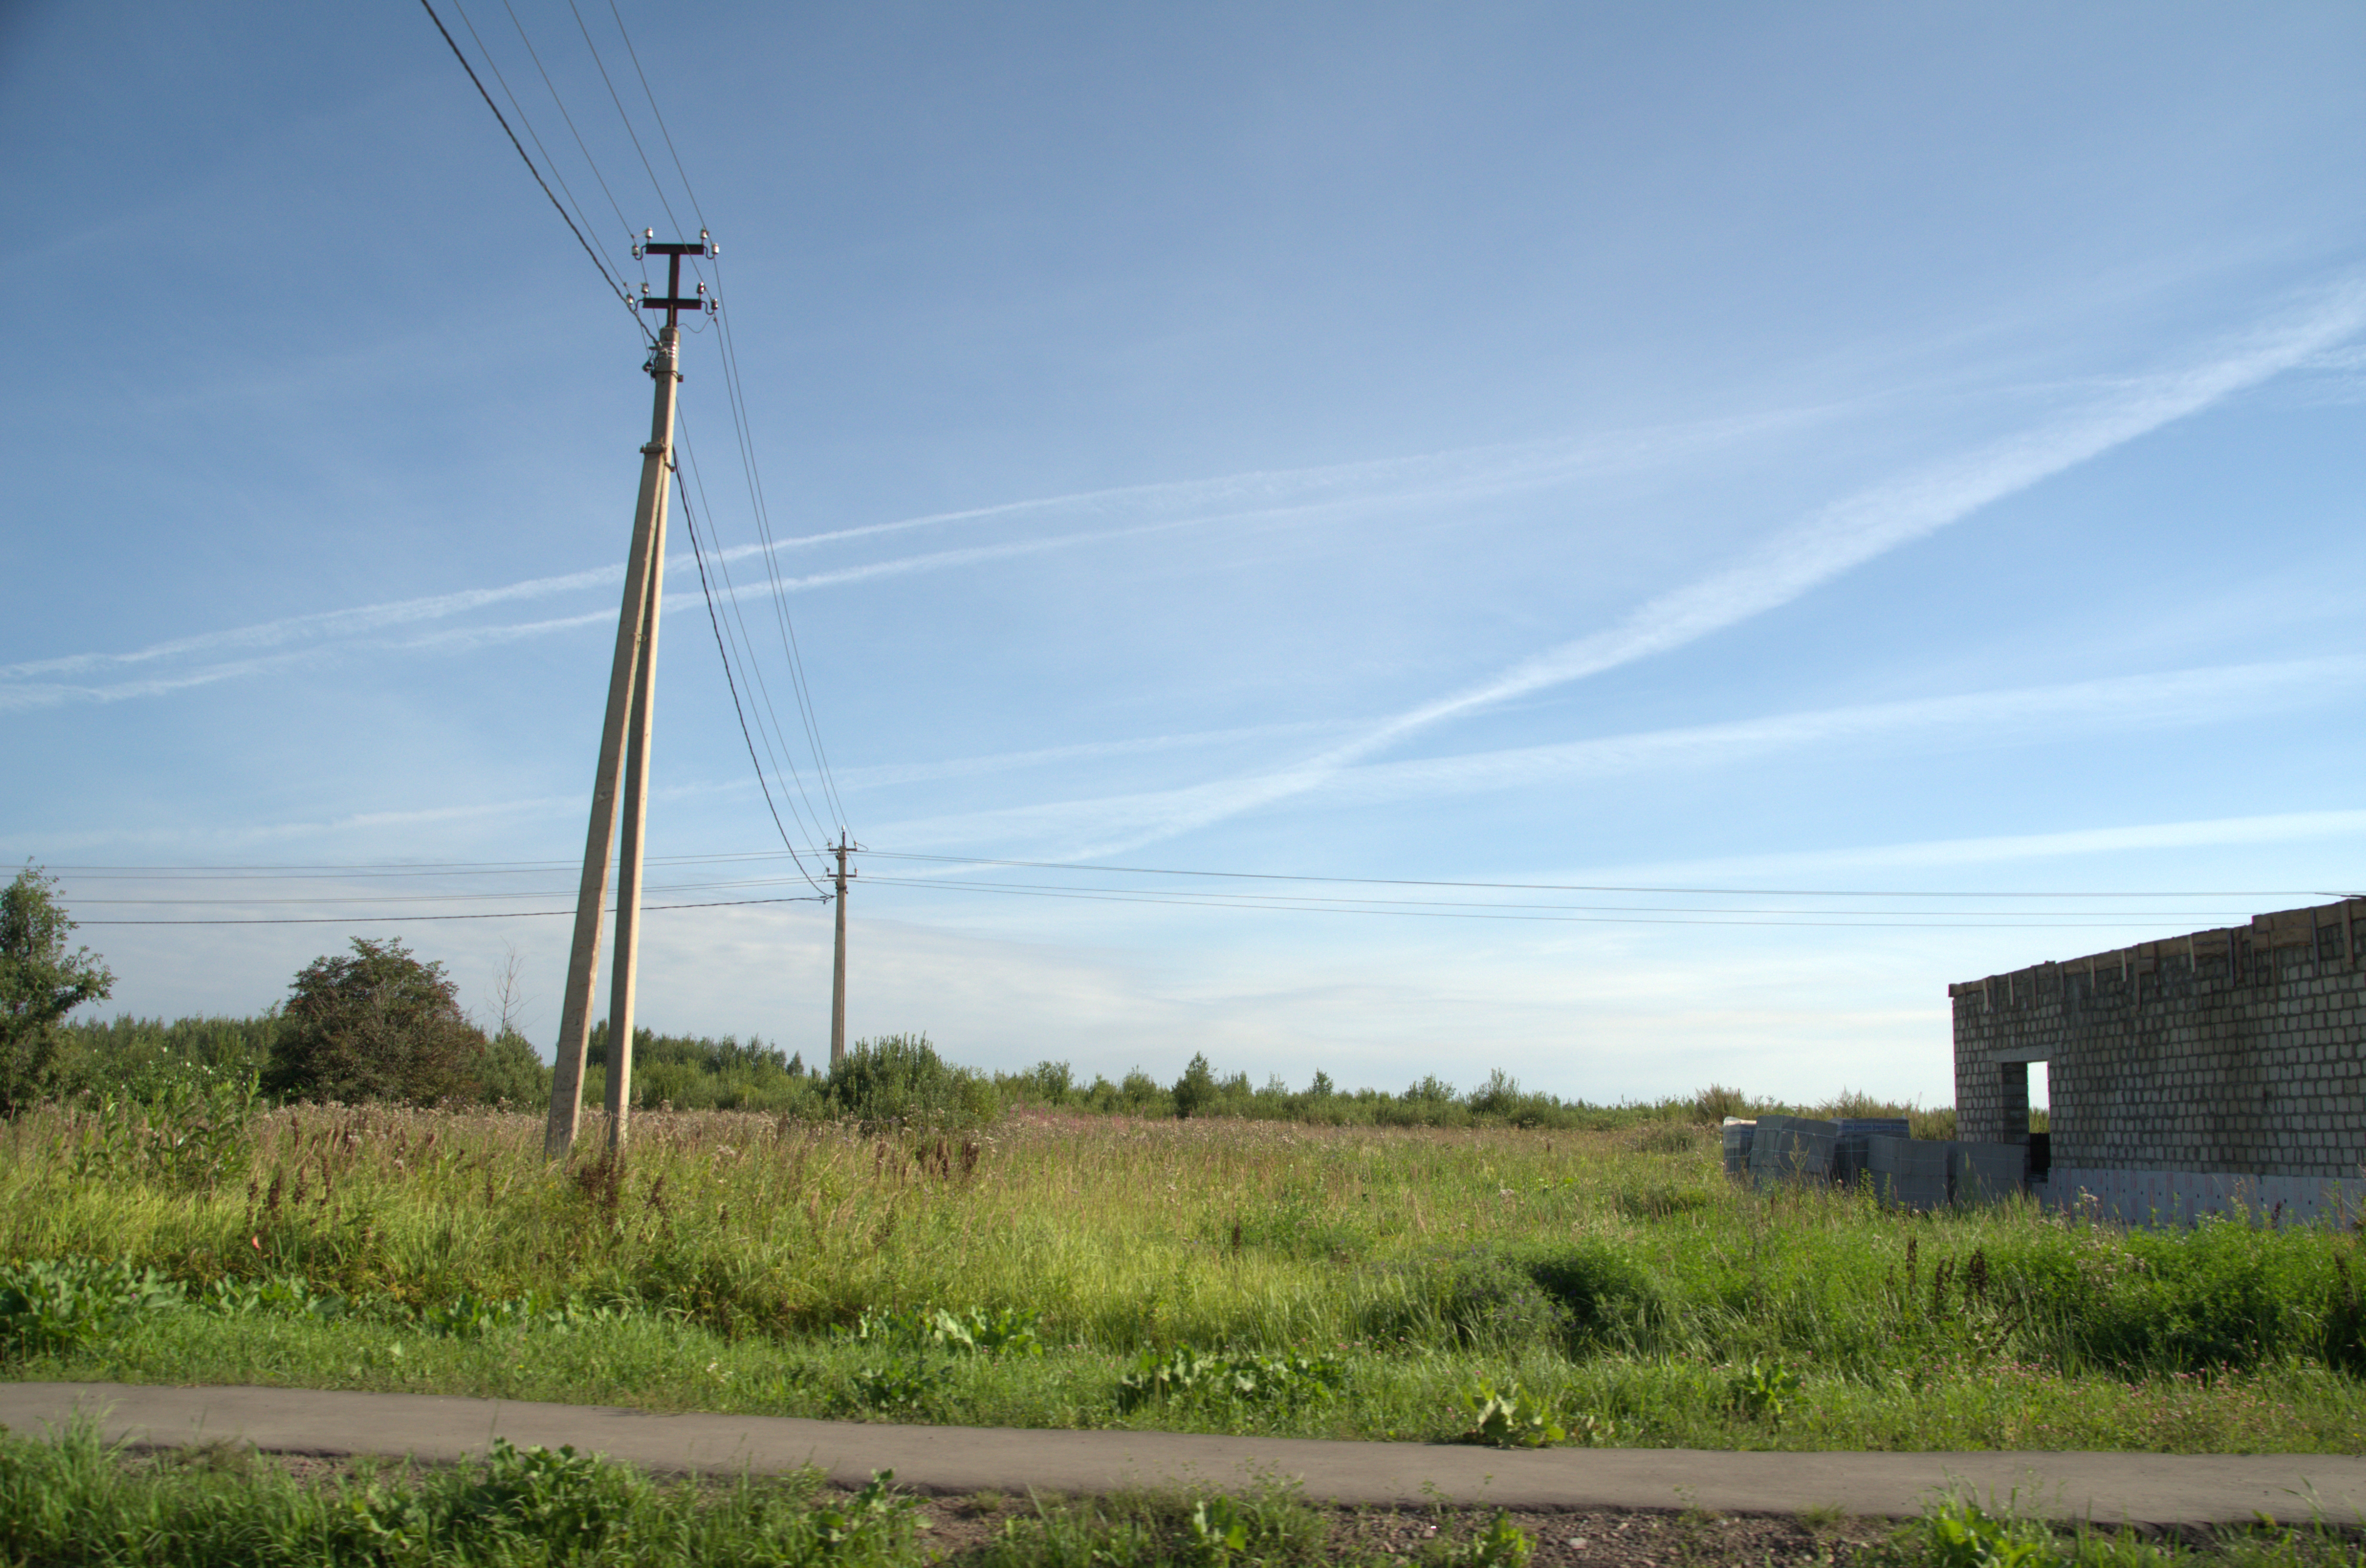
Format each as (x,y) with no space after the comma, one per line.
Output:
(772,1264)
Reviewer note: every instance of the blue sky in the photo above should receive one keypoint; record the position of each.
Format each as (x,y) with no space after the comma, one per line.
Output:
(1815,465)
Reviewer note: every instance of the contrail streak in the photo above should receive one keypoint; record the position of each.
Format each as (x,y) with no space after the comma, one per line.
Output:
(2123,702)
(1466,474)
(1823,546)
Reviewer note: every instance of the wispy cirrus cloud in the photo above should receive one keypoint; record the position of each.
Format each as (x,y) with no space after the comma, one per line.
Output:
(2280,827)
(1821,547)
(1265,497)
(2152,701)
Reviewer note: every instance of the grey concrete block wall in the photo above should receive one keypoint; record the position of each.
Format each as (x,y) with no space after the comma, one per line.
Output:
(1849,1146)
(1907,1171)
(1984,1173)
(1792,1149)
(2238,1051)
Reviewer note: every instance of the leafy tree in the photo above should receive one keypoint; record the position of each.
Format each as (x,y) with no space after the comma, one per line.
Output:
(1195,1091)
(375,1025)
(41,982)
(513,1071)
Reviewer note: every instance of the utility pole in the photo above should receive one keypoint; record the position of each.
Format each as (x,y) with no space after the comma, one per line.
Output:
(837,967)
(623,750)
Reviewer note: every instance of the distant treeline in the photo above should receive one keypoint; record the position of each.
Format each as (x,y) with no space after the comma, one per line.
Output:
(904,1078)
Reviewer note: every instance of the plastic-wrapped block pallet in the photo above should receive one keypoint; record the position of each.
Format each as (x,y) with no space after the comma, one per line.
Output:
(1738,1133)
(1847,1148)
(1792,1149)
(1909,1172)
(1983,1172)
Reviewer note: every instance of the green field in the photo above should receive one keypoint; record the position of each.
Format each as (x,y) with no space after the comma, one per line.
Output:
(1210,1273)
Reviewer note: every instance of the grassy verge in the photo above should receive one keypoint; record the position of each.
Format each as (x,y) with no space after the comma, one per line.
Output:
(1068,1271)
(654,1363)
(76,1501)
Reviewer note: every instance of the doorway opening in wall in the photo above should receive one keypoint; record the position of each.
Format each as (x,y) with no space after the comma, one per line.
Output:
(2041,1122)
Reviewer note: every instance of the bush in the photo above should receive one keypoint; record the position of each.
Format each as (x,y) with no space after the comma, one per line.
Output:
(1195,1091)
(1596,1284)
(1481,1297)
(899,1080)
(41,982)
(378,1025)
(51,1307)
(513,1072)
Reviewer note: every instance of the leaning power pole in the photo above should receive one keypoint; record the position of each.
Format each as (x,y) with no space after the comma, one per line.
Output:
(623,750)
(838,966)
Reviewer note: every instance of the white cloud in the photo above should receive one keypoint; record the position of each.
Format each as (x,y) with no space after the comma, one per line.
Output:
(2019,715)
(1290,495)
(1821,547)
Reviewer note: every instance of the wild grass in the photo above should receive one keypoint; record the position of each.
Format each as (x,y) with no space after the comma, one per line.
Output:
(74,1500)
(742,1261)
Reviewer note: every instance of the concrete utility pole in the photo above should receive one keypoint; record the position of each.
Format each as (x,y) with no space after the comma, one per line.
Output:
(837,967)
(624,749)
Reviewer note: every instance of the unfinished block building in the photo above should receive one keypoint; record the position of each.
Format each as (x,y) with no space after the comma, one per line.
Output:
(2203,1073)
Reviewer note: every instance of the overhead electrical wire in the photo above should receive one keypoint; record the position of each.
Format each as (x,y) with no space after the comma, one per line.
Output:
(785,758)
(603,65)
(535,55)
(1619,888)
(656,113)
(698,555)
(791,652)
(307,870)
(612,284)
(494,65)
(378,919)
(743,669)
(1210,901)
(743,431)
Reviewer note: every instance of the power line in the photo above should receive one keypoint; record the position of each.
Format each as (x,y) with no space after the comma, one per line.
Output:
(727,343)
(535,55)
(615,286)
(743,433)
(699,555)
(384,919)
(659,115)
(524,119)
(1616,888)
(783,755)
(619,102)
(1215,902)
(499,868)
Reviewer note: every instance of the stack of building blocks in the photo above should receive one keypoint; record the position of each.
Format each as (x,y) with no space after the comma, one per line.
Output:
(1792,1149)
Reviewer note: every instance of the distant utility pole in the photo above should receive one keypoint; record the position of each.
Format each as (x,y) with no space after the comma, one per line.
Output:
(837,967)
(624,749)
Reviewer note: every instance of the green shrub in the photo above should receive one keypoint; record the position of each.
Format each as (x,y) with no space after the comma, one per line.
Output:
(374,1025)
(1185,1374)
(48,1307)
(1762,1391)
(1597,1288)
(1510,1419)
(513,1073)
(41,982)
(1003,1331)
(899,1080)
(1196,1093)
(177,1121)
(1482,1297)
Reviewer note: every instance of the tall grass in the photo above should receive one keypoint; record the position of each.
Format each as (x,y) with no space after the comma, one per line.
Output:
(1618,1266)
